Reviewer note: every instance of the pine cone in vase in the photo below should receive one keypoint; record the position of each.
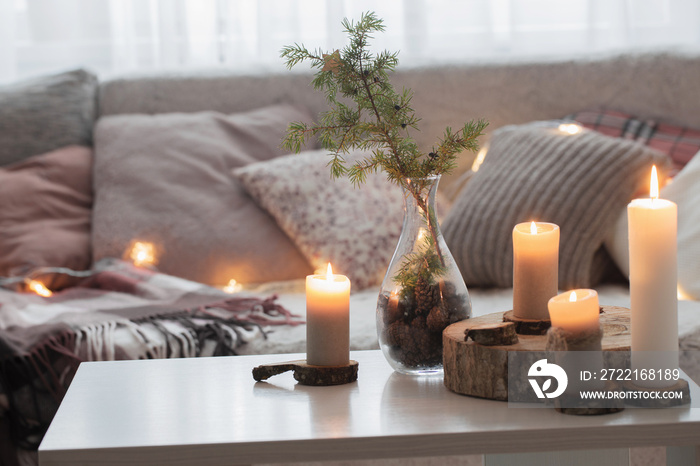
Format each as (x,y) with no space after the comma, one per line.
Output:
(427,296)
(438,319)
(396,333)
(414,345)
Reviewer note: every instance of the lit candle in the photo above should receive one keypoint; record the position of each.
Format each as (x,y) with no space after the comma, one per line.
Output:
(575,311)
(327,319)
(535,268)
(653,282)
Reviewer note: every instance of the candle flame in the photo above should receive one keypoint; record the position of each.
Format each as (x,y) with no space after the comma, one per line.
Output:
(39,288)
(654,184)
(142,254)
(329,273)
(572,297)
(533,228)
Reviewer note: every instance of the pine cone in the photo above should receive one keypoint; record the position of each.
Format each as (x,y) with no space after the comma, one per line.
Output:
(427,296)
(390,309)
(396,333)
(414,345)
(438,319)
(423,348)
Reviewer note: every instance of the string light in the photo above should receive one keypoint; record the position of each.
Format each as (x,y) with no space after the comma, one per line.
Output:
(39,288)
(232,287)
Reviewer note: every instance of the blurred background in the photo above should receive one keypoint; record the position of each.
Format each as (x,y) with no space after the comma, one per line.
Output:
(121,36)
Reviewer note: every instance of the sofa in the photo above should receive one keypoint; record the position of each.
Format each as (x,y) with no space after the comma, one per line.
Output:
(191,164)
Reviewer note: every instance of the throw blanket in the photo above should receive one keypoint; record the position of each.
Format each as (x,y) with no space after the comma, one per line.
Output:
(120,312)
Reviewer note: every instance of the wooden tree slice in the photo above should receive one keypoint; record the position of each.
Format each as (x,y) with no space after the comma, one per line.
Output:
(501,333)
(527,326)
(680,386)
(306,374)
(478,370)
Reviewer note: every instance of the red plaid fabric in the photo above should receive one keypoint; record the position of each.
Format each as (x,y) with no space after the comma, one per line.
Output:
(678,142)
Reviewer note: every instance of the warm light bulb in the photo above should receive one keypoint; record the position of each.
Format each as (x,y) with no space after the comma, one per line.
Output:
(654,184)
(570,128)
(572,297)
(329,273)
(142,254)
(533,228)
(479,159)
(39,288)
(232,287)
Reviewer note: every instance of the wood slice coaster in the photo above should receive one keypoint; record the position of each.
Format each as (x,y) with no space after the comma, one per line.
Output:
(478,370)
(680,386)
(500,333)
(527,326)
(575,406)
(306,374)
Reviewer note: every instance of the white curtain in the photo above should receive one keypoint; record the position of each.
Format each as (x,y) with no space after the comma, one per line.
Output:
(121,36)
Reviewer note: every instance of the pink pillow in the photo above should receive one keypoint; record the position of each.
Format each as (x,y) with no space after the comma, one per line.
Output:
(166,179)
(45,214)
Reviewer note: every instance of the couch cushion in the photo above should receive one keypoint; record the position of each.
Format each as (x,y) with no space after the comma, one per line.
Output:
(45,114)
(537,172)
(684,190)
(356,229)
(167,179)
(45,214)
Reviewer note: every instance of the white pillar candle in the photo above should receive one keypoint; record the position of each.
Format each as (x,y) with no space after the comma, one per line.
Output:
(575,311)
(327,319)
(535,268)
(653,283)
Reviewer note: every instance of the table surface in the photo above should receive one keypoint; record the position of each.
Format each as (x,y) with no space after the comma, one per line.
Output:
(211,411)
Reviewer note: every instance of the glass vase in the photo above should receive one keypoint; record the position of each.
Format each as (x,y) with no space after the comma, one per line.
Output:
(423,290)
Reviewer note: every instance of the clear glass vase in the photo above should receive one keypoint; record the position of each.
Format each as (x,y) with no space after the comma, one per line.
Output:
(423,290)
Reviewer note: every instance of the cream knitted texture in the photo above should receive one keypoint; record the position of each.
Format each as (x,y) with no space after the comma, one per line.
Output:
(535,172)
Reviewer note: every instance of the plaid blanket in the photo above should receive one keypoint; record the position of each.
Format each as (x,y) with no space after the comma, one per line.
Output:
(120,312)
(678,142)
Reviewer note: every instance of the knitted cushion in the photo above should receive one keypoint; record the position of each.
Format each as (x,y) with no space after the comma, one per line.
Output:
(356,229)
(166,179)
(581,182)
(45,114)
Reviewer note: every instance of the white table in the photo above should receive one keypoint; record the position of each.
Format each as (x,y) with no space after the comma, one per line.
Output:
(210,411)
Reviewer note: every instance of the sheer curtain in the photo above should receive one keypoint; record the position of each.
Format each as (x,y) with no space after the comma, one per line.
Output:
(120,36)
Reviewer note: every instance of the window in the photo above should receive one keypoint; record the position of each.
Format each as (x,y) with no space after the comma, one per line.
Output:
(118,36)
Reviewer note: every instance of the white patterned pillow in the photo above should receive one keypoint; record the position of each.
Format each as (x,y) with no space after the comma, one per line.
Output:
(684,190)
(356,229)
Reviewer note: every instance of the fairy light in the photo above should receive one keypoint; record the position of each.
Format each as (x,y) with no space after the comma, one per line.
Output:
(232,287)
(142,254)
(479,158)
(39,288)
(570,128)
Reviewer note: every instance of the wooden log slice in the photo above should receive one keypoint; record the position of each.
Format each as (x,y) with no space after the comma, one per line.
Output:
(527,326)
(679,386)
(482,371)
(306,374)
(502,333)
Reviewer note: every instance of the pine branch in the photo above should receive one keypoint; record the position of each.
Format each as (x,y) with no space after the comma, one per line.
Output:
(379,120)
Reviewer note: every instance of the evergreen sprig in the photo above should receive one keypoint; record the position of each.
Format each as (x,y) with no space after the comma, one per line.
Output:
(367,113)
(380,120)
